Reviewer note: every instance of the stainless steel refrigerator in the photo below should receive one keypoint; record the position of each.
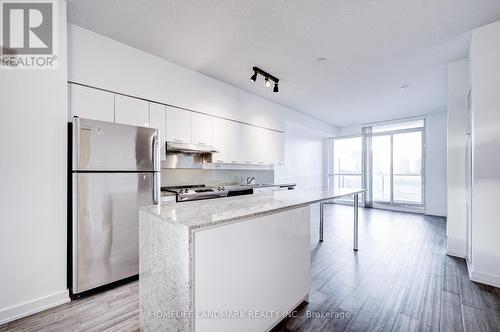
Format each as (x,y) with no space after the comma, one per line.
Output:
(114,170)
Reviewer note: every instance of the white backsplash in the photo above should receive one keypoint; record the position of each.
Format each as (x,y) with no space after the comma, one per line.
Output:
(173,177)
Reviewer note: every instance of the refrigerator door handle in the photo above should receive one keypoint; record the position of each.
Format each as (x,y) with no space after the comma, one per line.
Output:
(155,152)
(155,188)
(156,168)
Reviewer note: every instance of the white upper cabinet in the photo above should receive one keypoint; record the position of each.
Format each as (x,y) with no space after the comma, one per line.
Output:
(131,111)
(278,148)
(202,129)
(92,103)
(157,119)
(247,144)
(179,125)
(262,146)
(220,141)
(234,143)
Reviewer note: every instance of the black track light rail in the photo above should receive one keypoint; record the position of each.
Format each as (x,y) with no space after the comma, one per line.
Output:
(266,74)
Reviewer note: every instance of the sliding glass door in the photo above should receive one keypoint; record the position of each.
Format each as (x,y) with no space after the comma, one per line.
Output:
(391,159)
(397,176)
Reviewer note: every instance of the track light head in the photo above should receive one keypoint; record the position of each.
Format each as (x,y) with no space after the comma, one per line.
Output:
(269,79)
(254,76)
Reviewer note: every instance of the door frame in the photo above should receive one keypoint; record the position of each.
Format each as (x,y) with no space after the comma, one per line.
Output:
(391,134)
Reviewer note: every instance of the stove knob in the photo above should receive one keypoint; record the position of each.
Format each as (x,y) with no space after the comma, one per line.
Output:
(186,191)
(180,191)
(223,188)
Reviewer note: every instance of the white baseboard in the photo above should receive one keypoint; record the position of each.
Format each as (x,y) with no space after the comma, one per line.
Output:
(484,278)
(32,307)
(456,253)
(435,213)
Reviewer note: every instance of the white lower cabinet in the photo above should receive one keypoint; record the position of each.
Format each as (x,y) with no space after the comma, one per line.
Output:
(253,266)
(157,118)
(131,111)
(90,103)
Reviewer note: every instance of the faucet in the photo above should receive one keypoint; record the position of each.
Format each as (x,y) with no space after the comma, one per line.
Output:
(251,180)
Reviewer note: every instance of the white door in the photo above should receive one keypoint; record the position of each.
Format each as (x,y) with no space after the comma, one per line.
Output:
(202,129)
(131,111)
(178,125)
(157,119)
(90,103)
(220,135)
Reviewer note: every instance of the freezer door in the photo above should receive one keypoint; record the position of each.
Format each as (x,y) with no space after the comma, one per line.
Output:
(105,226)
(108,146)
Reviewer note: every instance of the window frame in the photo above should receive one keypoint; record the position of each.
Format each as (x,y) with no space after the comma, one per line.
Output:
(332,173)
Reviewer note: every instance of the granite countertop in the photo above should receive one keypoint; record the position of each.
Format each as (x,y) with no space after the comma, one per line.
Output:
(212,212)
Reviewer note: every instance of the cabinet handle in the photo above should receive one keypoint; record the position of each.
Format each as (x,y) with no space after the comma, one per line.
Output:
(234,161)
(220,160)
(202,143)
(248,162)
(178,140)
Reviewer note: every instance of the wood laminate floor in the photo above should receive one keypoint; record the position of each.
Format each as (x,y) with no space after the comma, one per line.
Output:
(400,280)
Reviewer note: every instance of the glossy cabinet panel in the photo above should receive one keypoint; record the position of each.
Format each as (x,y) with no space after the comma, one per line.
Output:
(179,125)
(90,103)
(202,129)
(131,111)
(220,136)
(271,252)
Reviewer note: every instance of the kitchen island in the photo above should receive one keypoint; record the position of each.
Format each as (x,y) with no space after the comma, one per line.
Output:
(228,264)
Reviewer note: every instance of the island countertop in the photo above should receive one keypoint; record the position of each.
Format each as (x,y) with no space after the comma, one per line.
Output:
(214,212)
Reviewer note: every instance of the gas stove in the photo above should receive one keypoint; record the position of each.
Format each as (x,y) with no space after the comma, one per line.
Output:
(197,192)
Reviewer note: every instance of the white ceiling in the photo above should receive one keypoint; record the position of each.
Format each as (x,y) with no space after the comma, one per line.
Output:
(372,47)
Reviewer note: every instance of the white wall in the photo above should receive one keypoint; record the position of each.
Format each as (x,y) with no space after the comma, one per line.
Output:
(458,87)
(101,62)
(435,160)
(33,113)
(485,82)
(304,158)
(435,164)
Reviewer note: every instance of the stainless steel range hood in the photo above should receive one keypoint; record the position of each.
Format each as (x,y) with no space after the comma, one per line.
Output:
(185,155)
(176,147)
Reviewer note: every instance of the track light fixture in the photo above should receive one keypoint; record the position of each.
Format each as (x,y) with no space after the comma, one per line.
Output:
(254,76)
(268,78)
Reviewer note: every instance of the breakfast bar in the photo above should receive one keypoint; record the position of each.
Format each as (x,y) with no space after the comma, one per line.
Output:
(225,264)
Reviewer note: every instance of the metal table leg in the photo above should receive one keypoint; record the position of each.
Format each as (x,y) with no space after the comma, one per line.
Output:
(355,246)
(321,210)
